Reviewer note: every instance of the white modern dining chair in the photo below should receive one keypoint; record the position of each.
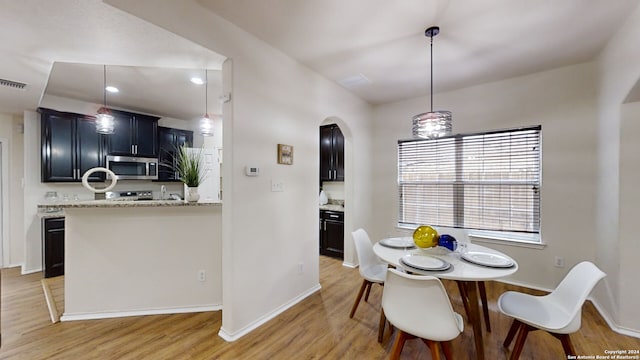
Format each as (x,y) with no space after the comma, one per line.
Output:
(418,306)
(372,269)
(558,312)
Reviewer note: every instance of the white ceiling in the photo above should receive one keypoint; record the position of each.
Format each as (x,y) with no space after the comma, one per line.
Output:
(36,34)
(159,91)
(479,42)
(382,40)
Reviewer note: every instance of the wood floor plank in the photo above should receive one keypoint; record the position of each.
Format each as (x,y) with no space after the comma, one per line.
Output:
(317,328)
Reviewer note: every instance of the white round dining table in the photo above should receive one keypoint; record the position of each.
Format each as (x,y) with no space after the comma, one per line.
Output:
(461,270)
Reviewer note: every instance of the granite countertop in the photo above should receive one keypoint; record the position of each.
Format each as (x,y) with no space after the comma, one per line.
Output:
(332,207)
(121,203)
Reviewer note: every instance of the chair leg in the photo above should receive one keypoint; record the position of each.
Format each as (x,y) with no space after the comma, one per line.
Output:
(366,296)
(398,345)
(522,336)
(485,308)
(446,348)
(355,305)
(434,347)
(512,332)
(383,321)
(566,344)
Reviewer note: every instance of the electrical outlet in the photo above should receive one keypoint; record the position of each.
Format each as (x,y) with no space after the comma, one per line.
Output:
(300,268)
(277,186)
(202,275)
(559,262)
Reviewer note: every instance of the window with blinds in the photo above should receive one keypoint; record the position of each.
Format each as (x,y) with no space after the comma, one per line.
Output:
(484,181)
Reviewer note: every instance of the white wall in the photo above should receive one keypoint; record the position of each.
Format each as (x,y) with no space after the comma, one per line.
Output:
(562,101)
(618,71)
(629,210)
(266,235)
(12,138)
(146,263)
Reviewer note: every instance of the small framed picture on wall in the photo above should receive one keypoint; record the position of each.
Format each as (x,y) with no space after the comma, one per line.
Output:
(285,154)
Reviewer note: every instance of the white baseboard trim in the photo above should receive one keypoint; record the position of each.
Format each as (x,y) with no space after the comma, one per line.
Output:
(24,271)
(349,265)
(230,337)
(612,324)
(117,314)
(605,315)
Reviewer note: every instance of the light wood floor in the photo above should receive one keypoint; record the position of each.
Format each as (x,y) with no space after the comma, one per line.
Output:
(317,328)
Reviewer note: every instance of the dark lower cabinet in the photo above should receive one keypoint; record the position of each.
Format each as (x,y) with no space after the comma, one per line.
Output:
(53,246)
(332,233)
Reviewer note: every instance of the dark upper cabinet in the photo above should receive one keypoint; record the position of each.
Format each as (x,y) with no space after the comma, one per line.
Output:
(70,146)
(331,153)
(169,139)
(134,135)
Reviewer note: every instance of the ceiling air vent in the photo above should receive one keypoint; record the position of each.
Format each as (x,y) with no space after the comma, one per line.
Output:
(12,84)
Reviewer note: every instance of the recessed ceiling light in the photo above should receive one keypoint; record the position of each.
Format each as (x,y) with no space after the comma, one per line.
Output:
(112,89)
(197,80)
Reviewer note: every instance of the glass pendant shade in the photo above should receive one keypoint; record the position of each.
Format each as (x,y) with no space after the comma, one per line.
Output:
(206,126)
(431,125)
(104,121)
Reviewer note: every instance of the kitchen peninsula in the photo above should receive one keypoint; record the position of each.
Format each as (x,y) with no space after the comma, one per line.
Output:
(125,258)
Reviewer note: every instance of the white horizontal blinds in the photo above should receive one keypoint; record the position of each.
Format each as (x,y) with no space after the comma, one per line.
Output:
(427,173)
(487,181)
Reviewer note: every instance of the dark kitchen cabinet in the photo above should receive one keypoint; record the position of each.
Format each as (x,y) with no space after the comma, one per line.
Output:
(53,246)
(332,233)
(70,146)
(169,140)
(133,135)
(331,153)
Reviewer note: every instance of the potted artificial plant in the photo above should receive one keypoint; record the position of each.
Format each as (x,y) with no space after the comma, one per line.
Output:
(188,166)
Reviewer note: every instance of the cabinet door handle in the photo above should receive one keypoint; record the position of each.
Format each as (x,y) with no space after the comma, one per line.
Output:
(334,216)
(335,174)
(325,225)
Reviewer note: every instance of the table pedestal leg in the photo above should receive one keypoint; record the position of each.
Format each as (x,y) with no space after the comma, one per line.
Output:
(475,320)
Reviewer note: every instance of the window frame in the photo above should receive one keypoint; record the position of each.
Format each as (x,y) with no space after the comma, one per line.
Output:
(529,235)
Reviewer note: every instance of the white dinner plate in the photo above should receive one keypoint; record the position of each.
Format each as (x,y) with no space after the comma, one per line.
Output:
(424,262)
(487,259)
(398,243)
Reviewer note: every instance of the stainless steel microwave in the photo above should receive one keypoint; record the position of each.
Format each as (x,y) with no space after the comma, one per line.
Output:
(133,168)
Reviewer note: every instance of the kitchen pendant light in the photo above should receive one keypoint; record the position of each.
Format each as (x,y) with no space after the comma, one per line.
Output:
(432,124)
(206,124)
(104,119)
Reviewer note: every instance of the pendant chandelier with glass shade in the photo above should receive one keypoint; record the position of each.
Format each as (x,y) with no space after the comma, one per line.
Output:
(432,124)
(104,120)
(206,123)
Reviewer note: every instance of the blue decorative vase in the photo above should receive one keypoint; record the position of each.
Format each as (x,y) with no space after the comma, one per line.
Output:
(448,242)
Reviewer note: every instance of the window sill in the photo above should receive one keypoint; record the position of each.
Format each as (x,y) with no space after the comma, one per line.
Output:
(517,240)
